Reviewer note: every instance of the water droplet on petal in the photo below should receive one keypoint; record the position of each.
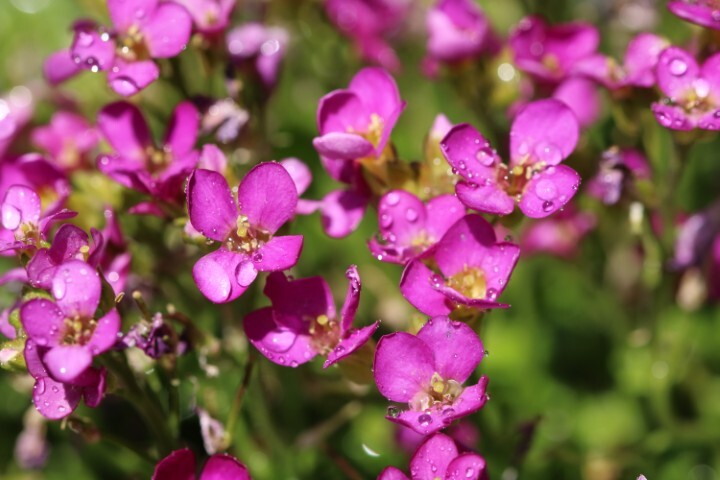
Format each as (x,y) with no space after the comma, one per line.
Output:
(393,412)
(411,215)
(546,189)
(11,217)
(548,152)
(678,67)
(386,220)
(245,273)
(392,198)
(424,420)
(436,280)
(40,386)
(547,206)
(491,294)
(469,473)
(485,156)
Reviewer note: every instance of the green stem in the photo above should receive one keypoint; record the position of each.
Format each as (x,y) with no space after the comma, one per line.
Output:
(239,396)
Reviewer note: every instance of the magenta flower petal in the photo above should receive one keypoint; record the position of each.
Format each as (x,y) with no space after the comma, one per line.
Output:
(424,423)
(472,399)
(549,191)
(582,96)
(701,13)
(167,30)
(94,384)
(378,91)
(59,67)
(545,130)
(442,213)
(392,473)
(465,244)
(342,211)
(182,130)
(709,72)
(341,111)
(214,275)
(433,457)
(43,322)
(224,467)
(350,343)
(416,285)
(280,253)
(446,338)
(124,127)
(487,198)
(105,334)
(179,465)
(126,13)
(20,205)
(293,299)
(211,205)
(641,58)
(677,71)
(267,196)
(66,362)
(468,465)
(299,172)
(671,116)
(403,365)
(68,244)
(342,146)
(128,78)
(53,399)
(278,343)
(469,153)
(402,217)
(352,298)
(76,287)
(91,49)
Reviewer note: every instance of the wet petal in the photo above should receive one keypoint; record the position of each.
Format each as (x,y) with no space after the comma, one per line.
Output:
(92,50)
(352,298)
(20,205)
(267,196)
(76,287)
(66,362)
(701,13)
(279,344)
(105,334)
(280,253)
(43,322)
(417,286)
(224,467)
(59,67)
(676,71)
(470,154)
(487,197)
(351,342)
(442,213)
(342,146)
(211,205)
(466,466)
(392,473)
(670,116)
(179,465)
(433,457)
(471,400)
(294,299)
(401,217)
(544,131)
(128,78)
(55,400)
(124,127)
(342,111)
(214,274)
(455,346)
(403,366)
(421,422)
(466,243)
(167,30)
(549,191)
(342,211)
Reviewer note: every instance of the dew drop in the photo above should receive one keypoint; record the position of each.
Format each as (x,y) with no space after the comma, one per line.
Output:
(393,412)
(258,257)
(386,220)
(411,215)
(40,386)
(547,206)
(469,473)
(492,294)
(245,273)
(11,217)
(546,189)
(392,198)
(678,67)
(485,156)
(436,280)
(424,420)
(548,152)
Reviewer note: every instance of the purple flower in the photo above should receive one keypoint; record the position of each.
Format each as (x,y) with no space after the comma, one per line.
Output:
(210,17)
(693,91)
(180,465)
(559,235)
(618,167)
(438,458)
(356,122)
(409,227)
(66,329)
(428,371)
(458,30)
(542,135)
(155,339)
(137,163)
(696,237)
(143,30)
(474,269)
(258,48)
(549,53)
(367,23)
(266,199)
(56,399)
(303,323)
(68,139)
(26,225)
(700,12)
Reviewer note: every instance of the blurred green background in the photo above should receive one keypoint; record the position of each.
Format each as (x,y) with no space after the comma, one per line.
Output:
(595,372)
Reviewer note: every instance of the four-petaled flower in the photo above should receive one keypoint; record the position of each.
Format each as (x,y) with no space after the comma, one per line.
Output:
(181,465)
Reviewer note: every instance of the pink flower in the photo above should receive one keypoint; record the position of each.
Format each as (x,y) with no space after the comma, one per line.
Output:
(542,135)
(474,269)
(259,49)
(68,139)
(210,17)
(693,91)
(266,199)
(303,323)
(438,458)
(180,465)
(700,12)
(428,371)
(559,235)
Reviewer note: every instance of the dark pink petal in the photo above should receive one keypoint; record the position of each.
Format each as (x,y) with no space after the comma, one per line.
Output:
(342,111)
(352,298)
(392,473)
(124,127)
(454,297)
(424,423)
(456,347)
(147,208)
(127,172)
(433,456)
(294,299)
(94,384)
(350,342)
(701,13)
(214,274)
(280,253)
(212,158)
(60,66)
(710,71)
(465,244)
(128,78)
(126,13)
(20,205)
(299,172)
(676,73)
(224,467)
(497,265)
(278,343)
(342,211)
(91,49)
(32,353)
(470,154)
(66,362)
(466,466)
(641,58)
(55,400)
(544,131)
(167,30)
(182,130)
(378,92)
(710,121)
(179,465)
(403,366)
(471,400)
(549,191)
(583,98)
(416,285)
(442,213)
(267,196)
(105,334)
(43,322)
(488,197)
(76,287)
(401,217)
(673,117)
(211,205)
(48,220)
(342,146)
(66,245)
